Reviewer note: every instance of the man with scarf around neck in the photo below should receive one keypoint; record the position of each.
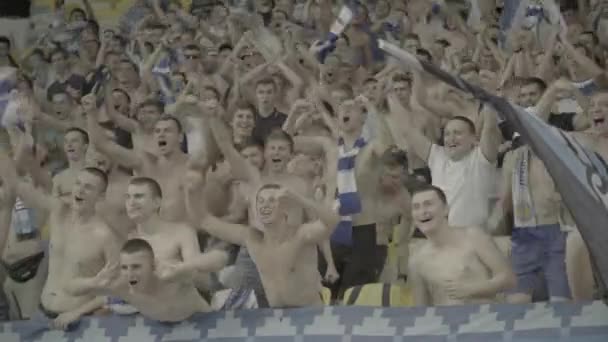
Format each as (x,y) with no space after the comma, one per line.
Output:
(358,172)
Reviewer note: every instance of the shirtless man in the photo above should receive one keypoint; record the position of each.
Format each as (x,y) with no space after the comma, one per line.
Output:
(578,263)
(141,126)
(365,264)
(140,285)
(75,144)
(73,262)
(538,237)
(456,266)
(175,245)
(166,164)
(394,220)
(285,254)
(112,208)
(278,150)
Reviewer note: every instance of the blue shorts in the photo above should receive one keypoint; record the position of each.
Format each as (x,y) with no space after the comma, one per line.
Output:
(540,250)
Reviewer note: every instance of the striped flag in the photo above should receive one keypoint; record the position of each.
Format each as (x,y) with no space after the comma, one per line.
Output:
(580,175)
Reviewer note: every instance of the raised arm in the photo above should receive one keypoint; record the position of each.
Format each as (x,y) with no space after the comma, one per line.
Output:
(125,157)
(318,231)
(120,120)
(193,259)
(417,142)
(420,93)
(233,233)
(32,196)
(490,135)
(241,169)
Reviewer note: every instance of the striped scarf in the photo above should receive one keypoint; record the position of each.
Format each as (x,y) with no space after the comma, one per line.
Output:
(348,197)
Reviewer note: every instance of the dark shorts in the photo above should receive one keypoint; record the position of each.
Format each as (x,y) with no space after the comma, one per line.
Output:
(541,249)
(360,263)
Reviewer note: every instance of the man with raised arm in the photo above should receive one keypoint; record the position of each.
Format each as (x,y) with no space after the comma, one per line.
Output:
(166,165)
(358,175)
(456,266)
(140,285)
(285,254)
(463,168)
(112,209)
(73,260)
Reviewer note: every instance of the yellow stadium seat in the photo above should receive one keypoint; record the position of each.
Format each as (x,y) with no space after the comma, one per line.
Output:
(326,296)
(379,295)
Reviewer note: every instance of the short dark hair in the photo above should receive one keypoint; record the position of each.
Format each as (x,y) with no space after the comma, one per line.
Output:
(78,10)
(60,51)
(265,80)
(370,80)
(433,188)
(411,36)
(400,77)
(83,133)
(213,90)
(244,105)
(131,63)
(150,183)
(394,157)
(137,245)
(468,122)
(167,117)
(442,42)
(99,174)
(192,47)
(268,186)
(225,46)
(468,67)
(156,26)
(152,103)
(122,91)
(5,40)
(94,25)
(534,80)
(279,134)
(424,53)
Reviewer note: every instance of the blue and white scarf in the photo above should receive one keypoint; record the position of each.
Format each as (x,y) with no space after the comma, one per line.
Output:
(348,197)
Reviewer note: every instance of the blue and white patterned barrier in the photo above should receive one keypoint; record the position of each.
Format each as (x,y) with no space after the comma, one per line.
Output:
(518,323)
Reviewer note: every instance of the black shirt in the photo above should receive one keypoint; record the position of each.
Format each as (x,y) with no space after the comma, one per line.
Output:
(265,125)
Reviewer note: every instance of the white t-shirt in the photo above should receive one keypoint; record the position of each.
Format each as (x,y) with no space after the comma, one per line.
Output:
(468,185)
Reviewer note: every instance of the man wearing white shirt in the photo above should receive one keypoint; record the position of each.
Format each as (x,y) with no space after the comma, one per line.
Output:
(464,168)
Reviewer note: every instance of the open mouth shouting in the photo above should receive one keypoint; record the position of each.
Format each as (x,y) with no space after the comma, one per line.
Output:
(598,121)
(162,143)
(78,199)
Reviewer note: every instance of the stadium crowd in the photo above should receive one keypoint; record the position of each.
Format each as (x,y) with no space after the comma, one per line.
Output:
(268,153)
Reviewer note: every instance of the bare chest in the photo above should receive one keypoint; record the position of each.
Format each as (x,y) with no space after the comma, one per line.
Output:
(165,247)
